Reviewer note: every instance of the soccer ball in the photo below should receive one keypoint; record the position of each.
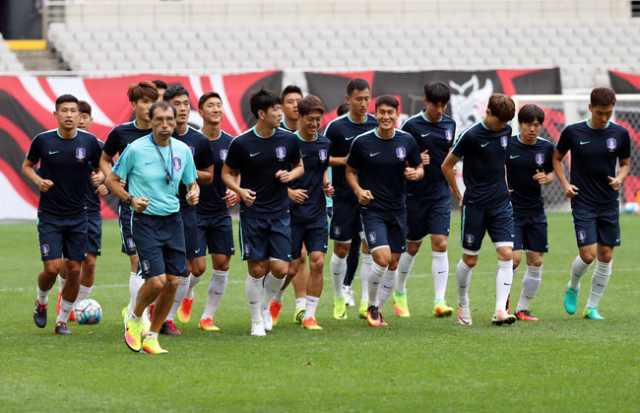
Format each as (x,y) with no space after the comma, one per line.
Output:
(631,208)
(88,312)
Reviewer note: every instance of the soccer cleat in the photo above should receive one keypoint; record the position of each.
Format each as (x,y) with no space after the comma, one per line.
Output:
(61,328)
(508,305)
(362,311)
(152,346)
(525,315)
(266,319)
(591,313)
(124,312)
(310,324)
(58,305)
(184,311)
(72,316)
(401,306)
(133,334)
(339,308)
(207,325)
(571,300)
(464,315)
(257,329)
(298,315)
(169,328)
(347,291)
(274,309)
(40,315)
(374,317)
(441,309)
(502,317)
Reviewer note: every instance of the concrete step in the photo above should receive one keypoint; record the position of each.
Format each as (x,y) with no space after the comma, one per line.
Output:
(41,60)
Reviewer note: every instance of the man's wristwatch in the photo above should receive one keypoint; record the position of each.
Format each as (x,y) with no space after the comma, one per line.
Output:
(129,199)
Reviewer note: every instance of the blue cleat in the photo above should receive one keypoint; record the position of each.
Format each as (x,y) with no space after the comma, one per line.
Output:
(591,313)
(571,300)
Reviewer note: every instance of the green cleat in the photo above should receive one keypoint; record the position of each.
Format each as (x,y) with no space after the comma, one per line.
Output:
(298,315)
(401,306)
(441,309)
(571,300)
(363,310)
(591,313)
(339,308)
(133,334)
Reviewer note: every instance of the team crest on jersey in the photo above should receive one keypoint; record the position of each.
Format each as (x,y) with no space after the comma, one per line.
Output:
(582,236)
(448,134)
(337,230)
(401,153)
(539,159)
(469,238)
(177,163)
(322,154)
(81,153)
(372,237)
(612,144)
(130,243)
(504,140)
(45,249)
(193,150)
(223,154)
(281,153)
(145,265)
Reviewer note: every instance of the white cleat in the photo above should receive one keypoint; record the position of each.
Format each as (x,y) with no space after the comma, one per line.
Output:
(502,317)
(348,296)
(257,329)
(266,318)
(464,316)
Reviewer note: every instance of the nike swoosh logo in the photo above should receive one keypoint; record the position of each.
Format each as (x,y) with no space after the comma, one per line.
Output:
(217,293)
(386,286)
(324,246)
(424,135)
(441,272)
(374,154)
(514,156)
(349,138)
(254,154)
(506,284)
(198,250)
(289,255)
(485,144)
(53,152)
(617,239)
(584,143)
(148,163)
(253,302)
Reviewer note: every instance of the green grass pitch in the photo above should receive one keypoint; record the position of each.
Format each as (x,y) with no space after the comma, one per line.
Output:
(561,363)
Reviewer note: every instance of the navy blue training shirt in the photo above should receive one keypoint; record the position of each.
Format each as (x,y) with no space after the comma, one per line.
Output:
(485,155)
(65,163)
(92,198)
(258,160)
(315,157)
(381,164)
(211,202)
(437,138)
(198,143)
(284,125)
(341,132)
(594,153)
(522,164)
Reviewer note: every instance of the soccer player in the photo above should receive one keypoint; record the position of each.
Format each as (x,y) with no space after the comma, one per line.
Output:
(291,96)
(215,229)
(379,163)
(141,96)
(178,96)
(308,204)
(268,158)
(429,200)
(153,167)
(486,206)
(595,144)
(161,85)
(64,155)
(345,223)
(530,165)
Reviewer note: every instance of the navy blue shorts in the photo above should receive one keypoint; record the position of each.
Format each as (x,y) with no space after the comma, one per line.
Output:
(160,244)
(600,226)
(385,229)
(313,234)
(330,212)
(58,237)
(190,225)
(530,230)
(345,223)
(94,235)
(265,238)
(124,217)
(427,216)
(498,222)
(215,232)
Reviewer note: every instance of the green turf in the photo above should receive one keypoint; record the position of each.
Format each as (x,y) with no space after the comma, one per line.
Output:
(562,363)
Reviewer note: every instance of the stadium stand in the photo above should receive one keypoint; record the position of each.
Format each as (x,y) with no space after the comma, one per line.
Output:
(9,62)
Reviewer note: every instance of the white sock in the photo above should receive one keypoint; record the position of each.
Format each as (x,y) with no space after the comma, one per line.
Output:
(440,271)
(61,282)
(578,269)
(271,287)
(217,287)
(84,292)
(463,280)
(404,269)
(387,286)
(65,309)
(599,281)
(135,282)
(504,278)
(151,335)
(181,293)
(375,277)
(279,296)
(43,296)
(530,284)
(312,304)
(301,302)
(338,268)
(365,270)
(193,281)
(253,288)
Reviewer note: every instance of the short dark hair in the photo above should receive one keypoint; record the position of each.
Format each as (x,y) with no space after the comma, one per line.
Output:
(203,99)
(387,100)
(290,89)
(173,91)
(163,105)
(437,92)
(160,84)
(263,99)
(343,108)
(502,107)
(603,96)
(529,113)
(141,90)
(84,107)
(357,84)
(309,104)
(65,99)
